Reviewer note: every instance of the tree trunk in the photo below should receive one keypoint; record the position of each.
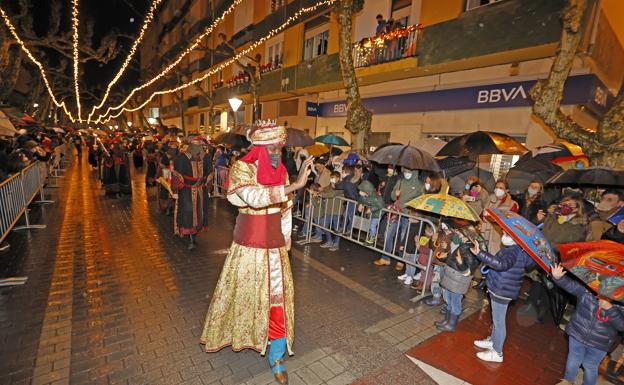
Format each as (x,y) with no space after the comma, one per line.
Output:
(605,147)
(358,118)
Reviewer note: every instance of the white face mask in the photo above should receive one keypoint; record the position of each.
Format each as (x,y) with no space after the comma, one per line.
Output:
(363,194)
(407,175)
(507,240)
(499,192)
(427,186)
(532,191)
(333,180)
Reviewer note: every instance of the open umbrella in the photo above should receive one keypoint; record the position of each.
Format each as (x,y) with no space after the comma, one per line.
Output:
(458,181)
(599,264)
(317,149)
(297,138)
(429,145)
(526,236)
(332,140)
(57,130)
(6,127)
(562,153)
(521,175)
(232,139)
(405,156)
(444,205)
(617,217)
(453,165)
(482,142)
(591,176)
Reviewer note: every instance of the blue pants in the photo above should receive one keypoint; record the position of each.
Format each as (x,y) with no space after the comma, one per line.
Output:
(410,270)
(348,217)
(587,356)
(436,290)
(453,302)
(400,226)
(374,226)
(499,328)
(331,222)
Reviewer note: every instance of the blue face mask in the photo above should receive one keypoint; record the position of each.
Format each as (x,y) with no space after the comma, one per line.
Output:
(467,186)
(275,159)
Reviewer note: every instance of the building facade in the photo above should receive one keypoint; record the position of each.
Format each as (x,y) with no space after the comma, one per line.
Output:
(443,68)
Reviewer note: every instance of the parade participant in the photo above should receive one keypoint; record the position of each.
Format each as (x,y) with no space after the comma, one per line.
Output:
(592,331)
(116,171)
(188,184)
(167,153)
(151,157)
(252,306)
(137,154)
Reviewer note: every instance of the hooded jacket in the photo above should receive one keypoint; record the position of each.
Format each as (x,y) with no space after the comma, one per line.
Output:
(590,324)
(507,269)
(409,188)
(371,200)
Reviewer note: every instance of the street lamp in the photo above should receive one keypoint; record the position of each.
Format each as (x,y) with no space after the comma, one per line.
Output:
(35,105)
(130,124)
(235,103)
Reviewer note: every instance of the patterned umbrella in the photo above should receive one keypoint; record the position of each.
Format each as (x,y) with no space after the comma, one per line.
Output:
(599,264)
(526,235)
(444,205)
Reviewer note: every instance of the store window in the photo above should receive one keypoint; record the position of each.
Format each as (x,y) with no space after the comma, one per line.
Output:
(316,37)
(274,5)
(472,4)
(401,10)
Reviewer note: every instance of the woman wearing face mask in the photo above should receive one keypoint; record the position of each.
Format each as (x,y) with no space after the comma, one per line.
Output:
(502,200)
(475,195)
(568,223)
(533,207)
(504,280)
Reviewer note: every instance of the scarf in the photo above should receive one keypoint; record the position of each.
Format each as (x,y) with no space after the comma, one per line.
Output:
(266,174)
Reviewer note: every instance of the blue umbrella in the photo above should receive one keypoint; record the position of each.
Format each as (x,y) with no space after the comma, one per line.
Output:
(332,140)
(526,236)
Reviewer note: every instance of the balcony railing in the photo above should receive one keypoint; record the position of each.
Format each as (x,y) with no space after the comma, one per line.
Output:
(386,47)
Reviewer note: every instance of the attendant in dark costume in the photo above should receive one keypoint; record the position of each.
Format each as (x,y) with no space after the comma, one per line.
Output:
(189,185)
(116,172)
(137,155)
(151,157)
(92,145)
(167,153)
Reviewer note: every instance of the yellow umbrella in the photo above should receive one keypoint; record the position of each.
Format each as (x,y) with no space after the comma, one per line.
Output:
(317,149)
(444,205)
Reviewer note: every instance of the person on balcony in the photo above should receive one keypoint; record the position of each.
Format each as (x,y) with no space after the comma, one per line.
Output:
(381,25)
(253,303)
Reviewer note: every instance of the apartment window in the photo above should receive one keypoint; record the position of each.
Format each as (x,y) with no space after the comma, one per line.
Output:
(315,43)
(274,5)
(401,10)
(472,4)
(274,54)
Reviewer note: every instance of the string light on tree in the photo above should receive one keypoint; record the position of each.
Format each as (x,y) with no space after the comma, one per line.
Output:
(104,118)
(42,72)
(75,41)
(148,19)
(171,66)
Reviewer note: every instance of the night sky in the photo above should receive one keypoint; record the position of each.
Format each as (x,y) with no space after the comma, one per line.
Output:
(106,15)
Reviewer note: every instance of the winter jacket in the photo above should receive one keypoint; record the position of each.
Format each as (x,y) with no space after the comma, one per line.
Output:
(507,269)
(391,181)
(599,224)
(585,325)
(530,210)
(613,234)
(409,189)
(371,200)
(348,187)
(574,230)
(468,263)
(327,205)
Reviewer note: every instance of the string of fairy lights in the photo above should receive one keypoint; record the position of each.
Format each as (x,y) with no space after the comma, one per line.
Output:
(75,38)
(224,64)
(107,116)
(148,20)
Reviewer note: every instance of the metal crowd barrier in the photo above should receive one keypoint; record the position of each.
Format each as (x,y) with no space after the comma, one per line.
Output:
(219,181)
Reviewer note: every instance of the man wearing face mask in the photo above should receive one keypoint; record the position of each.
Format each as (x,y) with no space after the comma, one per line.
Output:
(253,304)
(610,202)
(507,268)
(189,179)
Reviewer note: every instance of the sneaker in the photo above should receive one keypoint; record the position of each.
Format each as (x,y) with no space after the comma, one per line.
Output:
(490,356)
(302,242)
(484,344)
(402,277)
(333,248)
(381,262)
(399,266)
(417,276)
(316,240)
(408,281)
(326,245)
(370,240)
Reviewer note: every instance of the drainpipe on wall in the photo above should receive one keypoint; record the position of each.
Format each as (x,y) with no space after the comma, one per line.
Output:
(594,31)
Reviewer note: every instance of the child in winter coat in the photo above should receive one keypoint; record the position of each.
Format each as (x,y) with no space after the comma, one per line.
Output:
(372,203)
(592,330)
(504,280)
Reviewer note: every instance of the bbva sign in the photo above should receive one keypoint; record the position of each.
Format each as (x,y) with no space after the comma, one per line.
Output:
(496,95)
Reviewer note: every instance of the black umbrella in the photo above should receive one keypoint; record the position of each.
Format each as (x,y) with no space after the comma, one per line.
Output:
(405,156)
(297,138)
(453,165)
(522,174)
(591,176)
(232,139)
(481,143)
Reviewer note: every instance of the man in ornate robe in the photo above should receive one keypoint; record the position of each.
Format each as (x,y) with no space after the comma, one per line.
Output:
(188,184)
(252,305)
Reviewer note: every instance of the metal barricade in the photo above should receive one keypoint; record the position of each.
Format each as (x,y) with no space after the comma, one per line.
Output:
(386,232)
(220,180)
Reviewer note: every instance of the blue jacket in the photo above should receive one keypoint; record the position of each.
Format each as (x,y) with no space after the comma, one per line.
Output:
(349,188)
(585,326)
(507,269)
